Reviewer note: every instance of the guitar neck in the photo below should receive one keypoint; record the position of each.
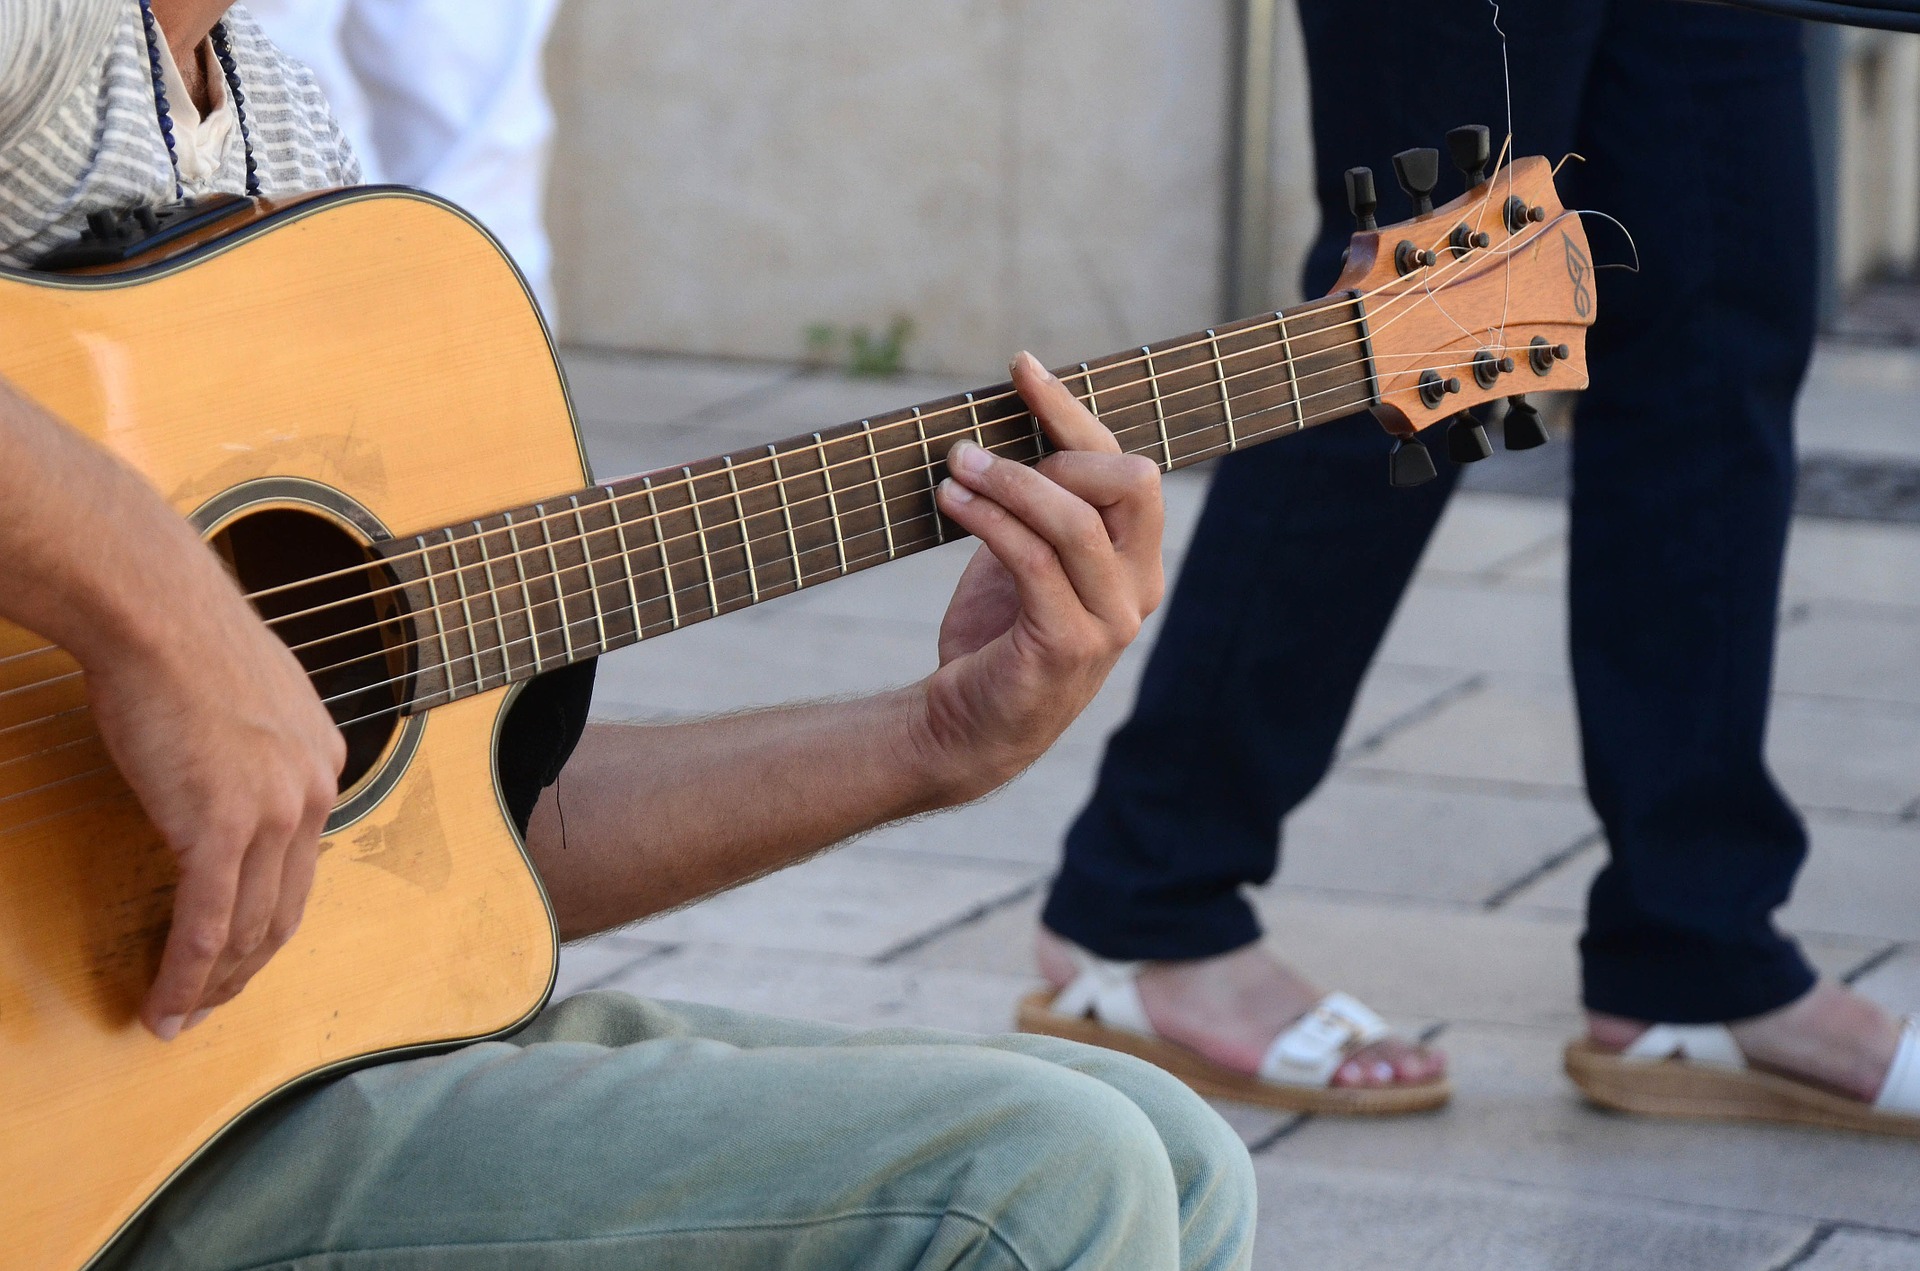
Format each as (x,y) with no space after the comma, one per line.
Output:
(510,596)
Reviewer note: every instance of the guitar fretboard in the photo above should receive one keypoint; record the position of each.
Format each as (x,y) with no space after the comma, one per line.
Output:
(508,597)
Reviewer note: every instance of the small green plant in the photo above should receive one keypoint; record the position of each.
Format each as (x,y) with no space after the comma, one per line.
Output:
(858,349)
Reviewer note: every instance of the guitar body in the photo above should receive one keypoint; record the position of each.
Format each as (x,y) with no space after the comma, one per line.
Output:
(366,362)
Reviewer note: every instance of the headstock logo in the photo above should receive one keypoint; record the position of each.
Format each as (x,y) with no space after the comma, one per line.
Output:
(1580,269)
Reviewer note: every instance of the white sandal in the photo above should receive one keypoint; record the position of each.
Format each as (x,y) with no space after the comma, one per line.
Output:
(1102,1008)
(1697,1070)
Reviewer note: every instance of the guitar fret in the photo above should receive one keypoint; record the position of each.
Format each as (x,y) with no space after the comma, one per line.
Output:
(1226,402)
(880,484)
(833,504)
(973,413)
(746,537)
(526,592)
(1159,412)
(626,563)
(1093,400)
(786,514)
(926,453)
(593,576)
(559,586)
(1293,374)
(466,607)
(439,622)
(660,544)
(493,599)
(700,533)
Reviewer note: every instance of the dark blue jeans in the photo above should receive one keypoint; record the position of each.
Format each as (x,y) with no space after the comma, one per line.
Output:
(1693,122)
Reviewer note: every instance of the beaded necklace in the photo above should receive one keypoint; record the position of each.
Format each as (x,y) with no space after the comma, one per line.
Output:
(223,51)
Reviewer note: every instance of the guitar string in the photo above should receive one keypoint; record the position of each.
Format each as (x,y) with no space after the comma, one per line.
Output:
(802,581)
(1412,290)
(1414,293)
(493,590)
(1207,388)
(825,574)
(971,406)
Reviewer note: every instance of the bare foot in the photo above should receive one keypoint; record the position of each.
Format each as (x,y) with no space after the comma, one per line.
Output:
(1831,1037)
(1230,1009)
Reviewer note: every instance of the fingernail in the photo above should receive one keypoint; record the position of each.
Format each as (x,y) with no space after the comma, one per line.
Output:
(1033,365)
(1383,1072)
(196,1019)
(970,459)
(169,1027)
(1350,1073)
(956,493)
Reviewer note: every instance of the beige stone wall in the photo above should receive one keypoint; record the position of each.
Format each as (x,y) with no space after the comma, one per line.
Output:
(1005,173)
(1877,231)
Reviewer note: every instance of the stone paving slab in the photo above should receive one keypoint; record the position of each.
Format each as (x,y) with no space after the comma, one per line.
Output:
(1315,1217)
(1852,1250)
(1841,560)
(1859,880)
(1895,982)
(1367,835)
(1481,535)
(1852,756)
(1516,1119)
(853,903)
(1864,654)
(1515,729)
(1508,628)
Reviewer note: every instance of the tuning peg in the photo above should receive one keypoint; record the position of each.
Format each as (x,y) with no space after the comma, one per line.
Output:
(1471,146)
(1523,429)
(1467,440)
(1419,171)
(1361,199)
(1409,464)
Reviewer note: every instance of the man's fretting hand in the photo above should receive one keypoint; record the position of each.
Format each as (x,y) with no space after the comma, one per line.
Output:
(1069,567)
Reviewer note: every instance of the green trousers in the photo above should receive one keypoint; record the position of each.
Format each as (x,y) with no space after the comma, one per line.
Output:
(621,1135)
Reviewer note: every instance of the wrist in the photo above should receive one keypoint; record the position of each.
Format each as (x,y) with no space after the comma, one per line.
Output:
(951,764)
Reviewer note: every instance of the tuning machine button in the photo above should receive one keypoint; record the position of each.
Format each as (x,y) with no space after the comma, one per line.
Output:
(1407,257)
(1518,215)
(1541,355)
(1464,239)
(1523,429)
(1487,369)
(1409,464)
(1418,171)
(1467,440)
(1433,389)
(1362,201)
(1470,146)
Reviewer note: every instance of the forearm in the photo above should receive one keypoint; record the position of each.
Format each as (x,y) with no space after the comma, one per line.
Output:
(648,818)
(94,557)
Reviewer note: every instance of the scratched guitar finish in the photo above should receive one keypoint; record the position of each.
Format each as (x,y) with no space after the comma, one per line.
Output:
(385,455)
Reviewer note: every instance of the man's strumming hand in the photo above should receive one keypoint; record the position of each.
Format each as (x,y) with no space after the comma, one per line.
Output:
(1068,568)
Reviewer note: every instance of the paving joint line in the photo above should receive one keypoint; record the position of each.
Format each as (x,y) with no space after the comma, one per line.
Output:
(1812,1245)
(985,908)
(1553,862)
(1874,962)
(656,954)
(1417,714)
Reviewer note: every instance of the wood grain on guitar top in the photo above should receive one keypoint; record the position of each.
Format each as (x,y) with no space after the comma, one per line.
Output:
(383,349)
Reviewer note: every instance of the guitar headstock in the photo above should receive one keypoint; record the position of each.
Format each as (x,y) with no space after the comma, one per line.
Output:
(1486,297)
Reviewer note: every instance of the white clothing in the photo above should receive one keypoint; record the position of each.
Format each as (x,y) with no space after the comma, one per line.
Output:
(199,144)
(79,132)
(446,95)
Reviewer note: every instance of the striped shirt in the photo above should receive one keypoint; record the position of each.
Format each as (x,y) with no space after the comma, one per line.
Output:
(79,131)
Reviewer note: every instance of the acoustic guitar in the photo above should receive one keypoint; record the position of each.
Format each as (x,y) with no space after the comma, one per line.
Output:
(384,453)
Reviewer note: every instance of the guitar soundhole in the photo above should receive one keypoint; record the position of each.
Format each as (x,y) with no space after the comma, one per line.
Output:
(340,613)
